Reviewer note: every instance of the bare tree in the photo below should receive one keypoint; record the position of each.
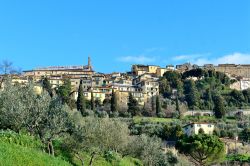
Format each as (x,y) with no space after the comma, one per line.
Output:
(6,67)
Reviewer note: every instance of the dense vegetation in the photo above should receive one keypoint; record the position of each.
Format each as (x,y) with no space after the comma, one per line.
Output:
(51,126)
(203,89)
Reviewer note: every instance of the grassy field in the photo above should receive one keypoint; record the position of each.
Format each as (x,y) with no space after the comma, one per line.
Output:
(184,120)
(12,154)
(99,160)
(153,119)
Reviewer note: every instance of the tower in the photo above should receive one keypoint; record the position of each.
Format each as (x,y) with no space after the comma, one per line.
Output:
(89,63)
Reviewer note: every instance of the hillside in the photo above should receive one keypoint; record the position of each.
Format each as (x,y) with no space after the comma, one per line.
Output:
(12,154)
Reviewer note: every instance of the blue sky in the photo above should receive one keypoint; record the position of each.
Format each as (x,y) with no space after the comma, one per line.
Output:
(118,33)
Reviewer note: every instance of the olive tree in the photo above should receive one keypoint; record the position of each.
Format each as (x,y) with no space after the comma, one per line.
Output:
(22,108)
(98,136)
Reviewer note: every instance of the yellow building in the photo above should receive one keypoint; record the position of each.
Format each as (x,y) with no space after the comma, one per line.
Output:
(19,80)
(97,96)
(141,69)
(122,97)
(161,71)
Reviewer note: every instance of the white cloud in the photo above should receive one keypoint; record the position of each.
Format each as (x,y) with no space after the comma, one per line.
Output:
(137,59)
(236,58)
(201,59)
(181,57)
(189,57)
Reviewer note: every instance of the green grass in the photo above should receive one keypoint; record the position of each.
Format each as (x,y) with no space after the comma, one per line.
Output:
(199,119)
(100,161)
(138,119)
(12,154)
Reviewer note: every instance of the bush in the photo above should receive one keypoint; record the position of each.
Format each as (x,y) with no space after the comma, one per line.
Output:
(11,137)
(102,114)
(243,158)
(112,157)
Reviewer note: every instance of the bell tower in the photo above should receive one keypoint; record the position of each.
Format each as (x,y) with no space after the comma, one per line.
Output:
(89,63)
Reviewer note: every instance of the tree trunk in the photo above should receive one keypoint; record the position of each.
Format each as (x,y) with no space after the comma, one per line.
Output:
(48,148)
(92,158)
(81,159)
(51,148)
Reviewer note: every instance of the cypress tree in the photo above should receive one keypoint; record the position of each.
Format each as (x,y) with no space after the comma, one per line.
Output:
(113,102)
(92,102)
(47,86)
(80,103)
(208,99)
(153,103)
(133,107)
(177,105)
(158,106)
(64,91)
(191,94)
(219,108)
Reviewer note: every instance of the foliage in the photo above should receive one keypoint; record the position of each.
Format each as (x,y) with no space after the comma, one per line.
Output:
(199,85)
(80,103)
(47,86)
(133,107)
(12,154)
(203,149)
(158,106)
(219,108)
(191,94)
(194,73)
(92,101)
(242,158)
(173,77)
(64,91)
(148,149)
(246,94)
(100,160)
(11,137)
(171,132)
(236,98)
(164,87)
(245,135)
(114,106)
(21,108)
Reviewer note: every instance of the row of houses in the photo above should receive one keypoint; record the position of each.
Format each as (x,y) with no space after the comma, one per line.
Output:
(141,81)
(142,85)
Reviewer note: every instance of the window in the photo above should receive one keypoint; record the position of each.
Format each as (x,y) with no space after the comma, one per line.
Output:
(209,125)
(198,125)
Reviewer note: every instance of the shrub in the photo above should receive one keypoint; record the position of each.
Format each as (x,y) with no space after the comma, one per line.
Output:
(12,137)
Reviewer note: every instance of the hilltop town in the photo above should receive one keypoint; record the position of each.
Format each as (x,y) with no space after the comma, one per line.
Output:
(142,81)
(151,115)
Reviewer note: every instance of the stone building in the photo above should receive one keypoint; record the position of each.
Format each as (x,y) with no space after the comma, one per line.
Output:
(70,71)
(234,70)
